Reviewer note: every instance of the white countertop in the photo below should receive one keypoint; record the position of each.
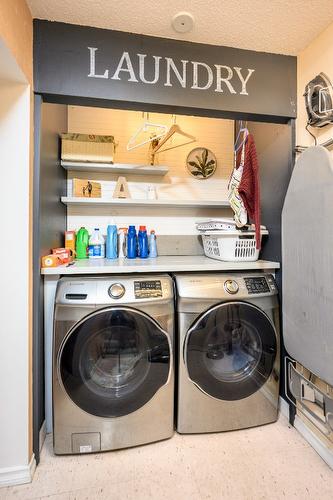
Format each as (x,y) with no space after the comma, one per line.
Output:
(164,264)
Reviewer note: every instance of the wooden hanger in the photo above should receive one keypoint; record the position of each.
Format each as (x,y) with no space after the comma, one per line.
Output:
(174,129)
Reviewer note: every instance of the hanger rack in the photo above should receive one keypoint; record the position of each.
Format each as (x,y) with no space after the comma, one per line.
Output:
(322,99)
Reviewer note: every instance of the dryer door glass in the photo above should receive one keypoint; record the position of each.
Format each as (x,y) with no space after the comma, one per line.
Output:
(230,351)
(113,362)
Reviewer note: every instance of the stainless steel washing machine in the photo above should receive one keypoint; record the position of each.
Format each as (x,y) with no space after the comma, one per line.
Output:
(113,376)
(228,351)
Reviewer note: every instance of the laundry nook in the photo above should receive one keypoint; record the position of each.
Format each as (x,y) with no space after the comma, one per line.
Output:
(166,301)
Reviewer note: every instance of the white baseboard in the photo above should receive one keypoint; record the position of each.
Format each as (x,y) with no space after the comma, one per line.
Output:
(307,434)
(284,407)
(11,476)
(314,441)
(42,435)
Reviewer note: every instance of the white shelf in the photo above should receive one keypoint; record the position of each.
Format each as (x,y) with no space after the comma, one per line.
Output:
(115,168)
(128,202)
(163,264)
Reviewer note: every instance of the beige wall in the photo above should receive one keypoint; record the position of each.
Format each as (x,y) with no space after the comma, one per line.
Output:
(15,345)
(317,57)
(16,34)
(16,30)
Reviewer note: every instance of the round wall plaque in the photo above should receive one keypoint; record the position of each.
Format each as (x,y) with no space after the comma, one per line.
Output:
(201,163)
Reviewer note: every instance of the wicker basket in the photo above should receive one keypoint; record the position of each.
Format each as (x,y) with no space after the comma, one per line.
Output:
(87,148)
(231,246)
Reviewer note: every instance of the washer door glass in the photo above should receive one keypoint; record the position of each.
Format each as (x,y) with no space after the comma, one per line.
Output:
(230,350)
(113,362)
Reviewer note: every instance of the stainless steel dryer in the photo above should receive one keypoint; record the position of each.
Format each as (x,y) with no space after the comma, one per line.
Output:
(228,351)
(113,377)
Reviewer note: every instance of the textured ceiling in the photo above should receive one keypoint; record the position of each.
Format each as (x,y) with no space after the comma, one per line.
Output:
(280,26)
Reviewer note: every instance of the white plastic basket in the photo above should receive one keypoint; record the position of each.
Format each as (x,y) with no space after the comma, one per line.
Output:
(231,246)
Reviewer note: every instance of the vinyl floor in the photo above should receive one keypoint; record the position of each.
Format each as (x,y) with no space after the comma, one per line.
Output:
(263,463)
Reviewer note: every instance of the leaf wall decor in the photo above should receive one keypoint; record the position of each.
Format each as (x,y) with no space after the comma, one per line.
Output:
(201,163)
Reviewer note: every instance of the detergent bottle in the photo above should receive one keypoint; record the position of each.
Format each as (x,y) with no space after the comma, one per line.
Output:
(131,243)
(122,242)
(142,242)
(111,242)
(82,240)
(96,249)
(152,244)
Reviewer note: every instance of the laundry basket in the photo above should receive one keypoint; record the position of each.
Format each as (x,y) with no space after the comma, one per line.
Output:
(231,246)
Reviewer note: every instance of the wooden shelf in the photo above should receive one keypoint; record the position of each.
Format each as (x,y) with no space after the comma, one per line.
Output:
(100,202)
(115,168)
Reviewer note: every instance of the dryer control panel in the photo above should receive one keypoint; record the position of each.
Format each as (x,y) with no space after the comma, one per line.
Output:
(224,286)
(260,284)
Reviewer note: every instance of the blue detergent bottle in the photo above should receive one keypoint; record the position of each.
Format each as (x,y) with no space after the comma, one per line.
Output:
(131,243)
(143,242)
(112,242)
(152,244)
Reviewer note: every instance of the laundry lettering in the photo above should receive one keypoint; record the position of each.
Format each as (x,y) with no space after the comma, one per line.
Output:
(168,72)
(125,65)
(210,76)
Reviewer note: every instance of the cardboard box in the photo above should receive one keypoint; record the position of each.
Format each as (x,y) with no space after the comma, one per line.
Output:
(64,254)
(51,261)
(87,148)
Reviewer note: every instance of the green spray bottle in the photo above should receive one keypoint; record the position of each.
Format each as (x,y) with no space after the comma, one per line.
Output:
(82,240)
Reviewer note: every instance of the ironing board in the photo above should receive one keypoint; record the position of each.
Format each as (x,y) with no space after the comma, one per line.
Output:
(307,257)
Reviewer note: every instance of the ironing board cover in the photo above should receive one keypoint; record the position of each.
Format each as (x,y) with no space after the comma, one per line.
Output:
(307,257)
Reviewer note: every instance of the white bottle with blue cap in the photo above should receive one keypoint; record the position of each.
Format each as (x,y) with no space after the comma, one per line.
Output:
(96,249)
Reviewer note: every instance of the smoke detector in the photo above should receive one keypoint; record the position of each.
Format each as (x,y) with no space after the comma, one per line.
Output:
(183,22)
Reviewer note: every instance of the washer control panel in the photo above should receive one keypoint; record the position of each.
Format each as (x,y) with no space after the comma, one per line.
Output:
(147,289)
(258,284)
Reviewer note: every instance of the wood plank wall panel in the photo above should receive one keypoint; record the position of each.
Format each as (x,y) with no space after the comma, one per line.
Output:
(215,134)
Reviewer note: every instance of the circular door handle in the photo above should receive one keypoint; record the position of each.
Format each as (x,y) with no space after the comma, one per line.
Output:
(231,286)
(116,290)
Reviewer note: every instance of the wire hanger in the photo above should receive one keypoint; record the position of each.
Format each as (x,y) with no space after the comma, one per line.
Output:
(174,129)
(145,127)
(239,132)
(243,129)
